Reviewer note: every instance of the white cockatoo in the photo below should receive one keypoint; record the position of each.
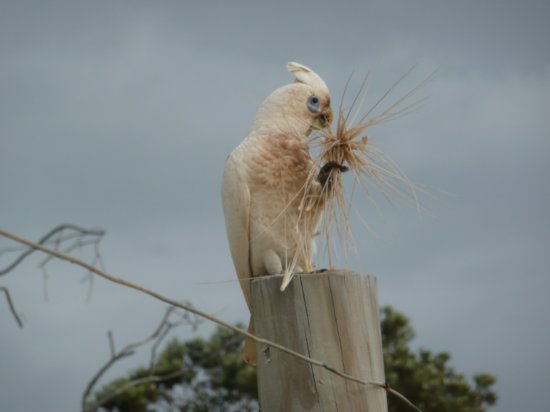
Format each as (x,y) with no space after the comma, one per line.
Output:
(272,189)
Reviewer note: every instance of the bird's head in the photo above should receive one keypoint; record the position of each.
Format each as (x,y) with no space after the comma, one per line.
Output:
(310,95)
(298,107)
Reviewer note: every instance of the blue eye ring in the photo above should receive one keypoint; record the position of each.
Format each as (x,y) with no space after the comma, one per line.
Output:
(313,103)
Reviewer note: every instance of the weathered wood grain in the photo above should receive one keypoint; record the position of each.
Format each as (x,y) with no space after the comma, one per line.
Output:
(330,316)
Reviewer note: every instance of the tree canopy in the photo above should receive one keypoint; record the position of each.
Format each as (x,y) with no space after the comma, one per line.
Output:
(425,378)
(211,376)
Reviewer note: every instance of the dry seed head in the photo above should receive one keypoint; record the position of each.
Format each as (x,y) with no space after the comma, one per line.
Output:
(345,146)
(349,146)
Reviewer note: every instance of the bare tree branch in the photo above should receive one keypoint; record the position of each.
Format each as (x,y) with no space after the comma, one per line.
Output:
(99,374)
(12,307)
(56,240)
(163,328)
(111,343)
(47,238)
(189,308)
(65,238)
(131,384)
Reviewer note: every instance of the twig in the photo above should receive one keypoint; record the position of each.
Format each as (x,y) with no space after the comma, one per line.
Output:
(111,343)
(189,308)
(12,307)
(100,373)
(44,239)
(158,335)
(400,396)
(130,384)
(58,238)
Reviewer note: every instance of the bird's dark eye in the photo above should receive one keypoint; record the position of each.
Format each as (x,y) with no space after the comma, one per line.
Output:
(313,104)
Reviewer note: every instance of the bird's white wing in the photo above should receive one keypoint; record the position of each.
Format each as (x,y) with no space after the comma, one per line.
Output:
(236,208)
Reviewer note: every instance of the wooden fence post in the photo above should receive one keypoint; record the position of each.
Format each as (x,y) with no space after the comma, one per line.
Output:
(332,317)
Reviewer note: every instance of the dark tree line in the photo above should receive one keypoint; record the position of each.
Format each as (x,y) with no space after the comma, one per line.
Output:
(215,378)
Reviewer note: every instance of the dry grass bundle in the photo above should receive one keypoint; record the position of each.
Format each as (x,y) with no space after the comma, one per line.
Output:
(349,145)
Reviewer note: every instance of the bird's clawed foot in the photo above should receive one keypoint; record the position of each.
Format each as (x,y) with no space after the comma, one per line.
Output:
(324,173)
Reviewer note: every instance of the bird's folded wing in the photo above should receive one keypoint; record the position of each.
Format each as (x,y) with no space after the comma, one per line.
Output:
(236,208)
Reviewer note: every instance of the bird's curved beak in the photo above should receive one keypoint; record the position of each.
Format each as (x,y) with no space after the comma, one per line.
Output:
(324,119)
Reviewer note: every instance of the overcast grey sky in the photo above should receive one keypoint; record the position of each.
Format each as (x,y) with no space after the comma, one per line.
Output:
(119,115)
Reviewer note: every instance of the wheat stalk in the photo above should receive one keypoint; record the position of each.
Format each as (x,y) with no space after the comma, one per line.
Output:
(349,144)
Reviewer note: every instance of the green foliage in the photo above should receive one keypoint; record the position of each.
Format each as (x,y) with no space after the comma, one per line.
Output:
(426,379)
(216,379)
(213,378)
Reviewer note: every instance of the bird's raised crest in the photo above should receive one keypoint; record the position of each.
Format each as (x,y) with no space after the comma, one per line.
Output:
(303,74)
